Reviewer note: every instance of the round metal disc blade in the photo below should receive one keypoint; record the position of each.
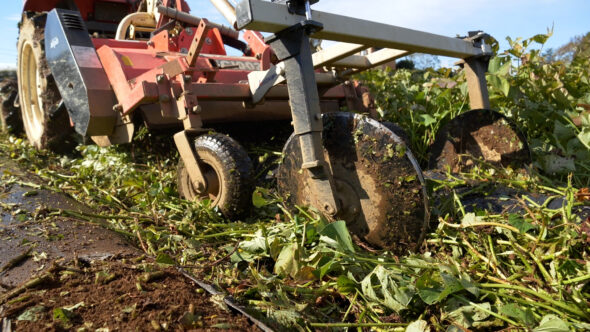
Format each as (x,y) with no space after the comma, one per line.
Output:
(377,181)
(482,135)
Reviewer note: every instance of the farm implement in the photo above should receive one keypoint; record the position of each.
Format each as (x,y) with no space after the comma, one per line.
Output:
(100,68)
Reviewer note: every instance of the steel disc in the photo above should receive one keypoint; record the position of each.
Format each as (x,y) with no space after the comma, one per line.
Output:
(377,181)
(479,135)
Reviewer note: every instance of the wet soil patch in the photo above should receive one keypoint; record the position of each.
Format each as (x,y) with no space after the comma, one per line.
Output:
(119,296)
(63,273)
(32,235)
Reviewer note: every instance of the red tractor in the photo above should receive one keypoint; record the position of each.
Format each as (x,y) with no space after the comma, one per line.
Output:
(94,67)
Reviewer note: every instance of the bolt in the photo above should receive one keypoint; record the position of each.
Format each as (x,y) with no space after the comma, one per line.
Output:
(150,43)
(355,210)
(118,108)
(197,109)
(159,78)
(164,98)
(188,78)
(189,31)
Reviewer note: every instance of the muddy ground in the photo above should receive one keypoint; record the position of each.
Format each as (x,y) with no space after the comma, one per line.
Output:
(61,273)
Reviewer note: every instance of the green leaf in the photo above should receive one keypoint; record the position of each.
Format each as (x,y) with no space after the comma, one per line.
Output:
(541,38)
(63,315)
(338,232)
(345,285)
(165,259)
(427,120)
(505,87)
(584,137)
(258,199)
(429,289)
(288,261)
(391,294)
(524,316)
(551,323)
(495,64)
(451,286)
(522,225)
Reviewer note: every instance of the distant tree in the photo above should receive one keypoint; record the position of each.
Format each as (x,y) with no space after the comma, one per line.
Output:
(577,47)
(405,64)
(423,61)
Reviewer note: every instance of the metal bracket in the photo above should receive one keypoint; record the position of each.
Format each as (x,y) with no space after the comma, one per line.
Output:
(189,157)
(292,46)
(297,7)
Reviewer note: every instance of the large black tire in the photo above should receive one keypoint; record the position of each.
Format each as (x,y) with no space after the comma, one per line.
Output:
(228,171)
(46,124)
(10,120)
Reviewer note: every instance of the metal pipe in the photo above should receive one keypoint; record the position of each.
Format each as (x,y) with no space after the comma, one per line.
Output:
(227,10)
(195,21)
(142,19)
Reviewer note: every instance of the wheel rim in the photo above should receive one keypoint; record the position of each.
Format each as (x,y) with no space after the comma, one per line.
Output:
(214,190)
(31,95)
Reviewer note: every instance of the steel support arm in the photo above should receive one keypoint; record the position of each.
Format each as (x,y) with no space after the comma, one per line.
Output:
(273,17)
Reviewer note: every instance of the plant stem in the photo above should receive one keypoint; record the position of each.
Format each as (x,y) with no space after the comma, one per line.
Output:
(561,305)
(344,325)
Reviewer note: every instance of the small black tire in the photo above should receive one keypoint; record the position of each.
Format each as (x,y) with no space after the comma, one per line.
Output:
(10,120)
(228,171)
(47,126)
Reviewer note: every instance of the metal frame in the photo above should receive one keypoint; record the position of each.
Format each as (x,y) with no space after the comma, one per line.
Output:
(273,17)
(294,23)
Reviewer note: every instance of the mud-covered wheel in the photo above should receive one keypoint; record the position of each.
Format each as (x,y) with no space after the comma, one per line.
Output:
(228,172)
(10,120)
(378,183)
(476,137)
(46,124)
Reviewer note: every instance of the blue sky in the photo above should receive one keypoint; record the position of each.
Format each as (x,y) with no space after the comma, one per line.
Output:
(500,18)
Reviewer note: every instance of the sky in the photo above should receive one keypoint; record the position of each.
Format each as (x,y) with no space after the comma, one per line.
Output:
(499,18)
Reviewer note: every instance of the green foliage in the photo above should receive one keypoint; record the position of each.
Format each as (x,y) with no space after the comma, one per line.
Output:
(544,98)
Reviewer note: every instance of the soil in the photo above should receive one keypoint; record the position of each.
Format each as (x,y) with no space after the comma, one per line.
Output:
(49,262)
(479,135)
(119,296)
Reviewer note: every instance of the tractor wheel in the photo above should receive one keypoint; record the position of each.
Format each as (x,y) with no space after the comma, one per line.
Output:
(46,124)
(10,120)
(228,172)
